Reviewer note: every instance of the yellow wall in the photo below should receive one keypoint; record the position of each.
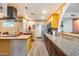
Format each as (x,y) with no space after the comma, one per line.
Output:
(54,20)
(55,16)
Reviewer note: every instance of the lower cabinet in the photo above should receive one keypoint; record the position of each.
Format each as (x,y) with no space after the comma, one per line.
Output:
(47,43)
(15,47)
(52,49)
(18,47)
(4,47)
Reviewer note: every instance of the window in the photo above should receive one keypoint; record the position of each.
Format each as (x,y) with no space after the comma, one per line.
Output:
(8,23)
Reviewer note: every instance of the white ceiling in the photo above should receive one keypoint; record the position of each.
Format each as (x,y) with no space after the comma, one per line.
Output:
(73,7)
(35,8)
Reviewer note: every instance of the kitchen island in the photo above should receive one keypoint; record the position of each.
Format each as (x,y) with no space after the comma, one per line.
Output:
(61,45)
(15,45)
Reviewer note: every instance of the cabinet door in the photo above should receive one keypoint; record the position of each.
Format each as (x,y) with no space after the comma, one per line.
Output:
(47,43)
(11,12)
(48,46)
(58,52)
(18,47)
(52,49)
(4,47)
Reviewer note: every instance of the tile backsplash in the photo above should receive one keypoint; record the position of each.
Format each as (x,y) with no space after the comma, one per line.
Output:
(11,30)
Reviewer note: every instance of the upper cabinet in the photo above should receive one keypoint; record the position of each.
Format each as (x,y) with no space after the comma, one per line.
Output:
(11,12)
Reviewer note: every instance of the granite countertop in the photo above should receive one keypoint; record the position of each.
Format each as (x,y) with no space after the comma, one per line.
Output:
(69,45)
(15,37)
(71,34)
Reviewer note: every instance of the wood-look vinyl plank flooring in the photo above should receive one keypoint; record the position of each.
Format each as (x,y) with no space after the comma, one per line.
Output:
(38,48)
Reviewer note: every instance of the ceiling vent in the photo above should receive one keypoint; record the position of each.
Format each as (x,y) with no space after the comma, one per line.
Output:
(72,15)
(32,13)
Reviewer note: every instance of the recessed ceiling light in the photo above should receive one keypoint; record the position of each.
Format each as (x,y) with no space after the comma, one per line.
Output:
(29,18)
(26,16)
(42,17)
(44,11)
(1,15)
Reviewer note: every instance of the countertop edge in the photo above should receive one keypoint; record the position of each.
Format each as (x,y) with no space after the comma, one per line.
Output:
(16,38)
(55,43)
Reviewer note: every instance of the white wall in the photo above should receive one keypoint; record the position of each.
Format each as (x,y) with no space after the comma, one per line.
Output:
(67,23)
(4,9)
